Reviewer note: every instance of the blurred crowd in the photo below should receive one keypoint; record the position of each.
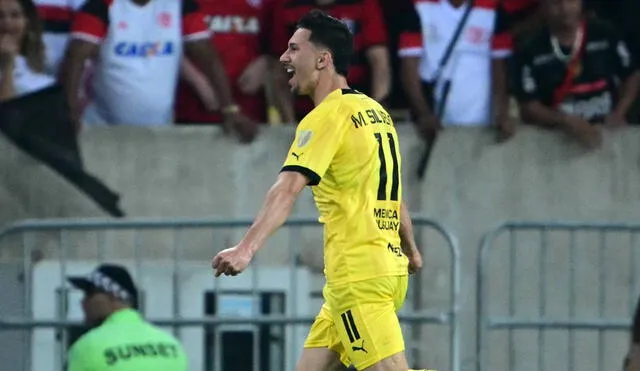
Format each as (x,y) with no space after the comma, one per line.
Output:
(562,64)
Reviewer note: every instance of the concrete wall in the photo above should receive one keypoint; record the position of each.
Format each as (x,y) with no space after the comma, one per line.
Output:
(472,185)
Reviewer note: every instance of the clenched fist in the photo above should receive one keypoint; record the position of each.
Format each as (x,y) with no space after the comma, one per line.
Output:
(232,261)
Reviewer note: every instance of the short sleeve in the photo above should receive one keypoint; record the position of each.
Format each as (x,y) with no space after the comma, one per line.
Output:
(502,42)
(316,143)
(374,28)
(522,80)
(194,26)
(91,22)
(410,42)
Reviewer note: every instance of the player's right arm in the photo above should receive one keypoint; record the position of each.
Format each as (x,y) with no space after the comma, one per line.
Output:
(89,28)
(318,138)
(407,241)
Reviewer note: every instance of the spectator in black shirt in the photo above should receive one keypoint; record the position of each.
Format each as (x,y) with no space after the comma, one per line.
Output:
(572,72)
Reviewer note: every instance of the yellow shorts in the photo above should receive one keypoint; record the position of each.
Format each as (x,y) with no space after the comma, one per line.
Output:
(359,320)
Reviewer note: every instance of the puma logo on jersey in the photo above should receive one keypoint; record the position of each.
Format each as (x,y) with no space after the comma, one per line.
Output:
(297,156)
(233,24)
(359,348)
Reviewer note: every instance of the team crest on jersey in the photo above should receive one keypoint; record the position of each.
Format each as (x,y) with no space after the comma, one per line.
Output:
(304,136)
(255,3)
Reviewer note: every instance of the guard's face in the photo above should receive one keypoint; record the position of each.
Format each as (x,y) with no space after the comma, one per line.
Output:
(302,60)
(97,306)
(564,12)
(13,22)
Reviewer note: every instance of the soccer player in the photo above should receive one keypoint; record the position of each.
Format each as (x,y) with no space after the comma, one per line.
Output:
(347,150)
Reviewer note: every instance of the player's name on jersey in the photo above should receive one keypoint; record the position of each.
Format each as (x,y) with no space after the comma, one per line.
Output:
(130,351)
(387,219)
(371,116)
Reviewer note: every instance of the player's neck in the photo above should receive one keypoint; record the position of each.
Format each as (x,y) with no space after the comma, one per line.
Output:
(326,86)
(566,34)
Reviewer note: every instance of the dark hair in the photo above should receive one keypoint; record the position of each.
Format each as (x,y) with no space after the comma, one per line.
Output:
(31,45)
(331,33)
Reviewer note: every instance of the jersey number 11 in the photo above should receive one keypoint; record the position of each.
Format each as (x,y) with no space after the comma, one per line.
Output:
(395,180)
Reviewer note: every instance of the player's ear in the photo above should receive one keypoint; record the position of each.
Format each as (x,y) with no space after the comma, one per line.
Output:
(324,59)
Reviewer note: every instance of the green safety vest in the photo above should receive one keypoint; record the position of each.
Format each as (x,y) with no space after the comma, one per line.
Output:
(126,342)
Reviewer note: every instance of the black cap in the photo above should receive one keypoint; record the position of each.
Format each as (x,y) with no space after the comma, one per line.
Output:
(109,278)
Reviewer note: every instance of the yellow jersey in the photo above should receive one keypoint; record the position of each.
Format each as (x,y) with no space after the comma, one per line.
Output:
(348,148)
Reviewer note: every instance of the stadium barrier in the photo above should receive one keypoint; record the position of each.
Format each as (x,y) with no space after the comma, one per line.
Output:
(64,235)
(549,295)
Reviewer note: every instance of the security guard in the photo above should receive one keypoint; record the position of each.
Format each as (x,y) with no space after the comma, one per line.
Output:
(122,340)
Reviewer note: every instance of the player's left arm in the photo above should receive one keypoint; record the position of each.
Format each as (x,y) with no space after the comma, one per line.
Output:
(407,240)
(374,34)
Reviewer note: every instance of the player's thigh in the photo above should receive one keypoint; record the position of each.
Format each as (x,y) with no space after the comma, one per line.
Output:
(319,359)
(323,349)
(366,320)
(395,362)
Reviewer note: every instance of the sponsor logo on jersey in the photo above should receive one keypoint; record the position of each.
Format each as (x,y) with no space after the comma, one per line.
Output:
(255,3)
(233,24)
(148,49)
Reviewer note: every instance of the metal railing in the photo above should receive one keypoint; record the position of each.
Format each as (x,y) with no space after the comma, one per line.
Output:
(549,298)
(67,234)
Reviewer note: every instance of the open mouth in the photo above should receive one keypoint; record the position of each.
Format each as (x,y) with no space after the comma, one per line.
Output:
(290,71)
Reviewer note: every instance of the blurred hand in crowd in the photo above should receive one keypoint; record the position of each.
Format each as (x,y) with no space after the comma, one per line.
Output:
(587,134)
(8,51)
(254,76)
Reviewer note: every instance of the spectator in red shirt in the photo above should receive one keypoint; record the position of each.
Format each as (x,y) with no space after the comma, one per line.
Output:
(238,29)
(370,70)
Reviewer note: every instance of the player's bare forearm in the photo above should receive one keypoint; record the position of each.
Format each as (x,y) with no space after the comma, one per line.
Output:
(628,93)
(275,210)
(378,58)
(207,57)
(407,241)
